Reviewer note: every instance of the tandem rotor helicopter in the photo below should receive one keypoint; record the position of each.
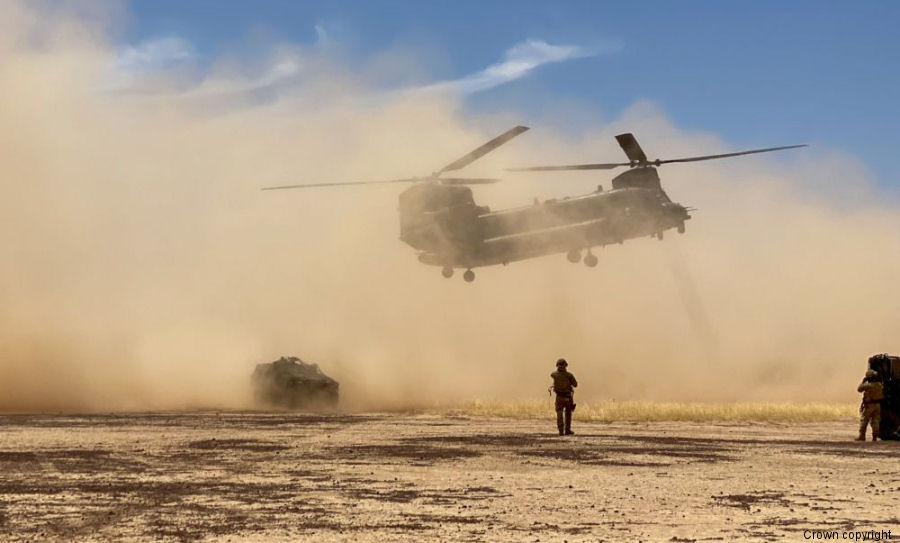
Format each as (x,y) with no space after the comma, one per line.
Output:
(440,219)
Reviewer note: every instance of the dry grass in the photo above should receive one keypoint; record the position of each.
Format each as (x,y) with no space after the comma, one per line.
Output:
(646,411)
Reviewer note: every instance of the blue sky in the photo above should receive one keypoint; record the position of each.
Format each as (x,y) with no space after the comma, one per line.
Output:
(757,73)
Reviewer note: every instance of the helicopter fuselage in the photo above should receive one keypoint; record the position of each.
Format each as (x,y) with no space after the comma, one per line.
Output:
(450,230)
(440,219)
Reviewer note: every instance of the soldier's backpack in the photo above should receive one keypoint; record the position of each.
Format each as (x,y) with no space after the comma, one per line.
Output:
(562,383)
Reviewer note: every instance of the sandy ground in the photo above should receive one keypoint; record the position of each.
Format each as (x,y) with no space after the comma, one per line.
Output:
(289,477)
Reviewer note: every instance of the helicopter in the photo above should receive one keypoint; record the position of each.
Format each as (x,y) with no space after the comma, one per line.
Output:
(440,219)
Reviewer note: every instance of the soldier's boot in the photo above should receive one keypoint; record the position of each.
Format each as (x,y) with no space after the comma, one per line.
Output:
(874,437)
(569,431)
(863,426)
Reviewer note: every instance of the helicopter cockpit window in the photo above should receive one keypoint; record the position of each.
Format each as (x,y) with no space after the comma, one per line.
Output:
(462,197)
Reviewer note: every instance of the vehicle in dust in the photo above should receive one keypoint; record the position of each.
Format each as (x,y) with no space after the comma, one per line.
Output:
(888,368)
(440,219)
(290,383)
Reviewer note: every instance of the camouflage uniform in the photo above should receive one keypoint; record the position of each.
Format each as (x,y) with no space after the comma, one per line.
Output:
(870,409)
(564,384)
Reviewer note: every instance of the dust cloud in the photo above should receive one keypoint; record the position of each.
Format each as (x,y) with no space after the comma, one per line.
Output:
(141,267)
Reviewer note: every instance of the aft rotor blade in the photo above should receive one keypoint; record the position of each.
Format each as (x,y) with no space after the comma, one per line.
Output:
(649,163)
(347,183)
(726,155)
(469,180)
(483,150)
(570,167)
(629,144)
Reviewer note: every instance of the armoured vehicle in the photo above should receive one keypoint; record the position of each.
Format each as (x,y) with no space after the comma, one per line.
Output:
(290,383)
(888,368)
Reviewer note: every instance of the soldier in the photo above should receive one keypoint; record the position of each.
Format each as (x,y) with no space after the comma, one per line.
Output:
(564,384)
(870,408)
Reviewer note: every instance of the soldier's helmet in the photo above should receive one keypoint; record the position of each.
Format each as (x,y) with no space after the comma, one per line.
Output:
(871,374)
(561,363)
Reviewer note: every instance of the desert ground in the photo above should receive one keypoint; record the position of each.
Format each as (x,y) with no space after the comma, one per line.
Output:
(249,476)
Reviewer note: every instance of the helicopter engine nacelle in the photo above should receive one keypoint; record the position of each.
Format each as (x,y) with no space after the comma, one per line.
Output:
(643,177)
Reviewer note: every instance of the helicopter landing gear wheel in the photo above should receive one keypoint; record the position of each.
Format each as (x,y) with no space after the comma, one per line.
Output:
(447,271)
(681,228)
(574,256)
(590,260)
(469,276)
(659,235)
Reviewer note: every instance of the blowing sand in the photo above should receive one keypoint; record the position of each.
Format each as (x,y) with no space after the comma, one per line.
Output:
(647,411)
(246,476)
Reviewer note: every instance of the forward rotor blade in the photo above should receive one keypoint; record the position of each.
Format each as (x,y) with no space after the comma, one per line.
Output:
(629,144)
(339,184)
(570,167)
(483,150)
(469,180)
(726,155)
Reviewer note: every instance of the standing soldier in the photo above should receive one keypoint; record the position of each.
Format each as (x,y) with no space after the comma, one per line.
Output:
(564,384)
(870,409)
